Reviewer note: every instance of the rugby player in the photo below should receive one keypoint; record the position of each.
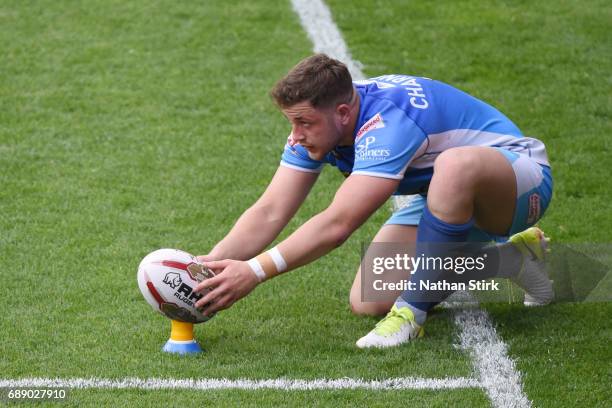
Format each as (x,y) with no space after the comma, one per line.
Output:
(474,176)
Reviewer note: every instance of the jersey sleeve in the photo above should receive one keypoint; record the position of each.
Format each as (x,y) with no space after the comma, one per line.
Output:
(387,143)
(296,157)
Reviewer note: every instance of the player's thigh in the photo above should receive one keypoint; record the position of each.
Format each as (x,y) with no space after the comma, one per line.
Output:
(391,233)
(496,192)
(514,192)
(478,180)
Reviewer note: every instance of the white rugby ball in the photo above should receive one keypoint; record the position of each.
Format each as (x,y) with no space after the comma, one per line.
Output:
(167,279)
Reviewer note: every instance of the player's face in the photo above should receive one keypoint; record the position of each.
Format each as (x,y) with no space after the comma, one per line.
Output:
(317,130)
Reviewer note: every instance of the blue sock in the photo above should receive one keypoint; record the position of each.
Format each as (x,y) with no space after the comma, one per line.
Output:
(435,238)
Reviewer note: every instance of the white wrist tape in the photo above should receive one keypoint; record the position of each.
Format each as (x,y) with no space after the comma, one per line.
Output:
(257,269)
(279,261)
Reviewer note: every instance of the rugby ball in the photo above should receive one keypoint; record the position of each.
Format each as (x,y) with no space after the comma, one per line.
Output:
(167,279)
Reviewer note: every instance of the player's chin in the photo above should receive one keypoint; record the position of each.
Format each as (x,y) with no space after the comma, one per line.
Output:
(316,154)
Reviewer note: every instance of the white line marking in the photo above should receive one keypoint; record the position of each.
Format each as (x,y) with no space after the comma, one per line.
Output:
(495,369)
(245,384)
(317,21)
(324,34)
(497,372)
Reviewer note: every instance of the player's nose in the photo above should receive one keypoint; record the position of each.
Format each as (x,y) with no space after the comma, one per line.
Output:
(296,134)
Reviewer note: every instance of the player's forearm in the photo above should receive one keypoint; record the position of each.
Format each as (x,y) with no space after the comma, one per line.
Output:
(317,237)
(255,230)
(357,199)
(320,235)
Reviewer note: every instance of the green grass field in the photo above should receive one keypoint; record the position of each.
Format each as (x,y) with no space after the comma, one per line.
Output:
(131,126)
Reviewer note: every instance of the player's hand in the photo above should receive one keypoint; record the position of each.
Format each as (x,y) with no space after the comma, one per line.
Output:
(233,281)
(205,258)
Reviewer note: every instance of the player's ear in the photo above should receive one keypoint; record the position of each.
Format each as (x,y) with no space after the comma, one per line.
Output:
(344,113)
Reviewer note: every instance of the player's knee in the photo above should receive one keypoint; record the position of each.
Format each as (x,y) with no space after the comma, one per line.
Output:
(360,308)
(357,306)
(456,165)
(456,161)
(354,302)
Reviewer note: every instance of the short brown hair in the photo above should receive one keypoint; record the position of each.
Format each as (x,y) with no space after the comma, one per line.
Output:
(319,79)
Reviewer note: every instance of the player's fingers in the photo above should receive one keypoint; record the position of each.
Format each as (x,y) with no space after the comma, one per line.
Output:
(218,304)
(210,283)
(205,284)
(209,310)
(204,258)
(211,296)
(226,301)
(216,265)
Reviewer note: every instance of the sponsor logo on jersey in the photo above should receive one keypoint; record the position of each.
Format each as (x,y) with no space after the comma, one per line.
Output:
(376,122)
(534,208)
(363,151)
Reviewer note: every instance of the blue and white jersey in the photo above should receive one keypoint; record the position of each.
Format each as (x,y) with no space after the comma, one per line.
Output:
(405,122)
